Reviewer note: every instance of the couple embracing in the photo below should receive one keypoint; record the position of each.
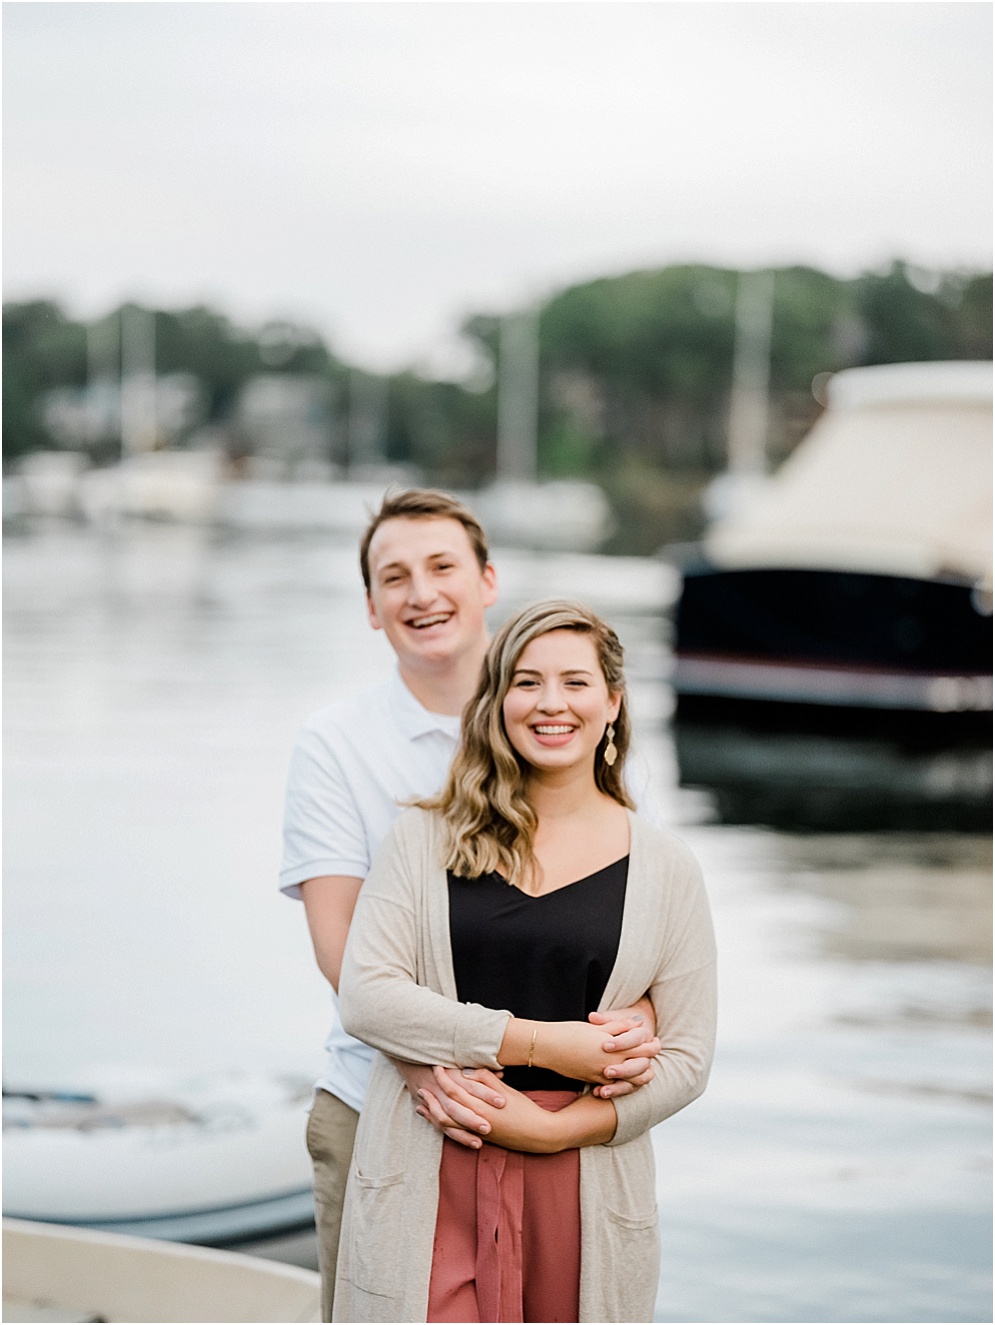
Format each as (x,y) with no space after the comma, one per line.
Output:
(525,965)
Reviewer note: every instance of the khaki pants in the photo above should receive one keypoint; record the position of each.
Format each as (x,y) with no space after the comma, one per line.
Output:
(331,1131)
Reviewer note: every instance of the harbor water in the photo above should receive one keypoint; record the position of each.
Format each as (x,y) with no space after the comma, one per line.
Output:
(837,1168)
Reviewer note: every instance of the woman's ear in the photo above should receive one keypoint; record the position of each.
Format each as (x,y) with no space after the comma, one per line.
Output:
(614,706)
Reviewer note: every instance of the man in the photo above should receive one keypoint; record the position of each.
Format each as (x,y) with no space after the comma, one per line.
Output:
(355,764)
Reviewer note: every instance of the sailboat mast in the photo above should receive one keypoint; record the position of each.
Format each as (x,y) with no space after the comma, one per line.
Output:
(138,386)
(748,409)
(518,396)
(367,421)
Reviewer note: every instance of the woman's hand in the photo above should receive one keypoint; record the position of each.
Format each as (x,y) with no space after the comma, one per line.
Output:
(642,1012)
(617,1051)
(634,1072)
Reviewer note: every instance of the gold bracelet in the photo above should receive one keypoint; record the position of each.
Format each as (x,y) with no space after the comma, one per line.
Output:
(532,1046)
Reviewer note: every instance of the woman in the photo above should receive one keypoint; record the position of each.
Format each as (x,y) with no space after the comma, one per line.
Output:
(529,886)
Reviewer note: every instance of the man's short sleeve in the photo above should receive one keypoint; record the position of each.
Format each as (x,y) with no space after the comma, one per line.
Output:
(323,831)
(639,784)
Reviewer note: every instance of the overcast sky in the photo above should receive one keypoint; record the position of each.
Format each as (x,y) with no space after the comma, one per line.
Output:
(383,169)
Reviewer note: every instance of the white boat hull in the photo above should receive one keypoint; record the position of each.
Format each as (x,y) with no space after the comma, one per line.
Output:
(220,1161)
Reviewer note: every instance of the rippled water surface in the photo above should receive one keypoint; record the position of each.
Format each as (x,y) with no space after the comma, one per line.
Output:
(837,1168)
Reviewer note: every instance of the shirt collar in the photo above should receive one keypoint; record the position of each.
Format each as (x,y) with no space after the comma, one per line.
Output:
(413,718)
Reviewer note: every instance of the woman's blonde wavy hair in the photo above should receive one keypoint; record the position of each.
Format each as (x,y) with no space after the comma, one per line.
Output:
(488,821)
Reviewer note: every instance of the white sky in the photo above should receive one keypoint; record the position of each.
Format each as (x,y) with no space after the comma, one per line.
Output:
(382,169)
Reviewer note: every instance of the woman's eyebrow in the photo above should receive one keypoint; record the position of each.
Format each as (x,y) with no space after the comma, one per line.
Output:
(567,671)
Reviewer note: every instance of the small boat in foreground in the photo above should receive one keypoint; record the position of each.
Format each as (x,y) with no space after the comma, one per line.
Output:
(70,1274)
(217,1160)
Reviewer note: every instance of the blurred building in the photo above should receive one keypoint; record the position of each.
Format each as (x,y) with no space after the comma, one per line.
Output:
(286,422)
(87,418)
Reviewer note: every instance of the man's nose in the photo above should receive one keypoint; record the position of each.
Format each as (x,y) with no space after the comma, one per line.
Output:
(420,589)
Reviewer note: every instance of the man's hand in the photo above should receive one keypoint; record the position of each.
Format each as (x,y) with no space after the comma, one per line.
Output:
(521,1124)
(634,1072)
(450,1111)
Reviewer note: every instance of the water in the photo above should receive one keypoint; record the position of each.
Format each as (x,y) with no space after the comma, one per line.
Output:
(837,1167)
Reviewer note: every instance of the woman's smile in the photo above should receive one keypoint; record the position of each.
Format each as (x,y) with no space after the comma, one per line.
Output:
(553,734)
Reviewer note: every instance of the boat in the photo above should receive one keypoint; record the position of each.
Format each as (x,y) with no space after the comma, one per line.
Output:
(160,485)
(832,637)
(71,1274)
(216,1160)
(549,515)
(860,576)
(259,506)
(45,483)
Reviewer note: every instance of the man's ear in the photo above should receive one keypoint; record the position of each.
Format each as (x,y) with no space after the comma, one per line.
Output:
(489,575)
(371,612)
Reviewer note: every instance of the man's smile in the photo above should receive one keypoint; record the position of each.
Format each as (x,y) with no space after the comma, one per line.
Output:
(431,619)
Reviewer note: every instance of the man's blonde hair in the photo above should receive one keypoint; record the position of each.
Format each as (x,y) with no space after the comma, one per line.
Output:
(422,504)
(489,823)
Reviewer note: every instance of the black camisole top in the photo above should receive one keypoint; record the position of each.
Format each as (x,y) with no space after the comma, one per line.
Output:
(547,957)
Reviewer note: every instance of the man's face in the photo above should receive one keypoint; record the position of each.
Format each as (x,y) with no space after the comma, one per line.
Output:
(427,591)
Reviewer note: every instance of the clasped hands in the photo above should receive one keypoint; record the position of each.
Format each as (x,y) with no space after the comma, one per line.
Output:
(613,1051)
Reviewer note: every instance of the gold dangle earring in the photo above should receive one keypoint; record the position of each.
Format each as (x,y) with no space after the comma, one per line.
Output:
(611,751)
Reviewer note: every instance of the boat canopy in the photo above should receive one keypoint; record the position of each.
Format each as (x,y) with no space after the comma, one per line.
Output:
(895,478)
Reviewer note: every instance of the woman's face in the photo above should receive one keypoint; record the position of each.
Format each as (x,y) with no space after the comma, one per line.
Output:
(558,704)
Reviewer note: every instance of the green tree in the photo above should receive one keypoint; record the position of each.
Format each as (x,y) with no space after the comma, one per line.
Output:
(42,349)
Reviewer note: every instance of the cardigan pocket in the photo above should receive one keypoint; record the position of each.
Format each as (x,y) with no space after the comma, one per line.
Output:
(370,1182)
(630,1196)
(377,1204)
(633,1222)
(383,1137)
(632,1254)
(628,1229)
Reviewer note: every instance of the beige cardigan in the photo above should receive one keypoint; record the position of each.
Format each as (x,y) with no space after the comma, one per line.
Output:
(398,993)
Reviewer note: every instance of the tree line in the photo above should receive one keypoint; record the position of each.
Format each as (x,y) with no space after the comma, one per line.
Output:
(635,374)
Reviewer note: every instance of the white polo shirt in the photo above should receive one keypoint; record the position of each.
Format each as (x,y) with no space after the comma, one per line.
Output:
(355,764)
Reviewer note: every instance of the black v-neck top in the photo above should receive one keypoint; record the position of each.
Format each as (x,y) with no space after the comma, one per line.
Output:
(546,957)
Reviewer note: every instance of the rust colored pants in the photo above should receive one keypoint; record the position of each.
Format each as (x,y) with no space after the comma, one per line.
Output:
(507,1236)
